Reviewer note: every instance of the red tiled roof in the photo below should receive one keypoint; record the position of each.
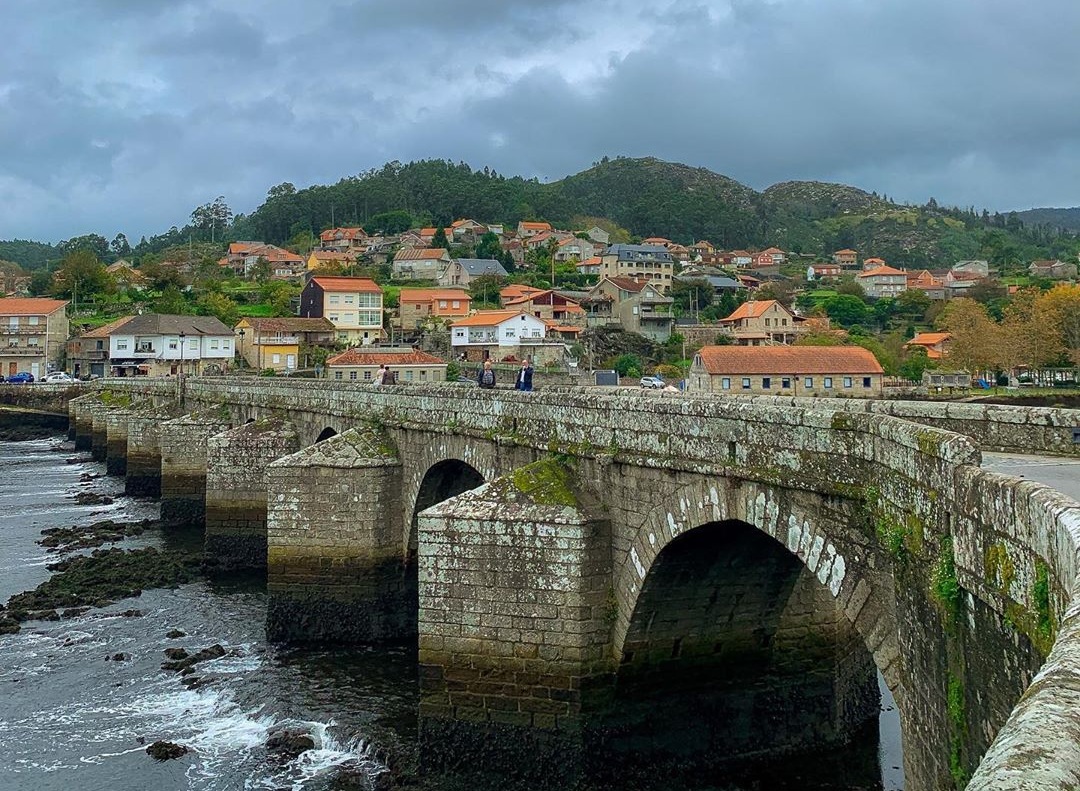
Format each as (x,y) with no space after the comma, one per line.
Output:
(29,306)
(881,270)
(792,360)
(421,254)
(347,284)
(753,309)
(929,338)
(488,318)
(629,284)
(359,356)
(287,324)
(536,226)
(330,234)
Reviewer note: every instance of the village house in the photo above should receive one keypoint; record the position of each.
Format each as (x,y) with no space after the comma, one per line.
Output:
(786,370)
(155,344)
(599,235)
(590,266)
(324,259)
(526,230)
(125,276)
(282,344)
(1055,270)
(762,323)
(551,305)
(406,364)
(573,249)
(420,263)
(33,334)
(514,291)
(720,282)
(771,256)
(926,282)
(344,240)
(417,304)
(462,271)
(739,258)
(820,271)
(936,344)
(465,231)
(491,330)
(959,284)
(873,263)
(354,305)
(846,258)
(635,305)
(639,262)
(974,267)
(88,354)
(243,257)
(882,281)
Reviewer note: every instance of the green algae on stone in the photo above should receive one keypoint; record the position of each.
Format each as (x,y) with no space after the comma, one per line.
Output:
(546,482)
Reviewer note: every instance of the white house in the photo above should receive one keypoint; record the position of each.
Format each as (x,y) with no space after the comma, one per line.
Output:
(497,328)
(155,345)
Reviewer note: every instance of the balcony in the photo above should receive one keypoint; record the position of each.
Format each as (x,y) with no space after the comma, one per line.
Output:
(142,352)
(35,329)
(278,340)
(22,351)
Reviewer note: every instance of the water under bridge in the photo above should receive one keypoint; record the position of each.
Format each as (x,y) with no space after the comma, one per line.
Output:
(566,554)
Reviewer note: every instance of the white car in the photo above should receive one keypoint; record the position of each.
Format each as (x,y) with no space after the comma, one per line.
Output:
(653,382)
(58,378)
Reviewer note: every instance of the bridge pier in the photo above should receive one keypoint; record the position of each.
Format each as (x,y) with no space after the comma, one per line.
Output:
(99,432)
(143,475)
(81,417)
(184,443)
(236,490)
(116,441)
(515,627)
(336,545)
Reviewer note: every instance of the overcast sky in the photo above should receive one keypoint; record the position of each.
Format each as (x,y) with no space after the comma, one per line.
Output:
(123,115)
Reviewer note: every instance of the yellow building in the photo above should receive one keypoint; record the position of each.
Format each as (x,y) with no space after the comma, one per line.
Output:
(281,343)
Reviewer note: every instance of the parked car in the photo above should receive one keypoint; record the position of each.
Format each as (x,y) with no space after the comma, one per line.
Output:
(58,378)
(21,378)
(653,382)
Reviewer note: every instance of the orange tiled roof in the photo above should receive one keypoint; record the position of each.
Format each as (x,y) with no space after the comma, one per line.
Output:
(516,290)
(29,306)
(421,254)
(792,360)
(881,270)
(347,284)
(594,261)
(629,284)
(105,330)
(753,309)
(772,250)
(536,226)
(656,240)
(929,338)
(846,251)
(488,318)
(330,234)
(362,357)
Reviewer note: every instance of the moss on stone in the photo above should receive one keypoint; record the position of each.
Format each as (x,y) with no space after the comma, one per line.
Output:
(1040,597)
(944,587)
(929,442)
(546,482)
(892,535)
(957,712)
(110,398)
(998,568)
(842,421)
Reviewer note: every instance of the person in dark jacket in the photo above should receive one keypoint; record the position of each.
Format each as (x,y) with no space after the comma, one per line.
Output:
(524,376)
(485,377)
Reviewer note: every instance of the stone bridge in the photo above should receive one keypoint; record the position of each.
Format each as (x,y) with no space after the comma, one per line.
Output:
(575,564)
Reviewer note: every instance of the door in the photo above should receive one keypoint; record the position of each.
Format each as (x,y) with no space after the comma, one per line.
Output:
(35,370)
(13,368)
(290,362)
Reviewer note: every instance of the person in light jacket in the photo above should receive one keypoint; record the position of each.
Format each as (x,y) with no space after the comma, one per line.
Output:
(524,376)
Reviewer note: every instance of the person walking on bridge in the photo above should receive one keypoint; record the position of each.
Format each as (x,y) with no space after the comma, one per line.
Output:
(524,376)
(485,377)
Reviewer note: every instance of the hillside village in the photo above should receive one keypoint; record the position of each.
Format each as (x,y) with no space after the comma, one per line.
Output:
(574,296)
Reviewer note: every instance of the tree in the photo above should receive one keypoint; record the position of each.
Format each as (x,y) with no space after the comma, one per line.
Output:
(489,246)
(41,283)
(845,309)
(390,222)
(974,336)
(91,242)
(172,302)
(439,239)
(1061,306)
(81,275)
(628,365)
(485,288)
(783,291)
(849,285)
(691,295)
(219,305)
(214,215)
(912,304)
(912,368)
(1030,332)
(119,246)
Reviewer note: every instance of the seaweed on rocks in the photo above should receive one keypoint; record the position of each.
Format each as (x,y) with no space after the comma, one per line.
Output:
(104,576)
(66,539)
(166,751)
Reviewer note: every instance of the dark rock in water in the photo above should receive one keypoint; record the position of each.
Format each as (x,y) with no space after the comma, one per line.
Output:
(186,665)
(93,498)
(73,612)
(103,577)
(175,653)
(289,743)
(42,615)
(8,625)
(75,460)
(165,751)
(121,657)
(132,613)
(175,634)
(65,539)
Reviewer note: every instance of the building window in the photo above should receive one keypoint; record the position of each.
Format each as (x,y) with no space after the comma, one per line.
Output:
(172,344)
(214,343)
(121,345)
(337,375)
(866,381)
(423,375)
(808,382)
(456,303)
(275,359)
(367,376)
(746,383)
(827,382)
(725,384)
(767,321)
(442,304)
(785,322)
(766,382)
(33,321)
(408,376)
(847,381)
(459,333)
(334,299)
(511,332)
(785,383)
(352,375)
(348,299)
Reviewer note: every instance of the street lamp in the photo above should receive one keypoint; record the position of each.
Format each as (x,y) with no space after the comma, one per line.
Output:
(182,336)
(241,334)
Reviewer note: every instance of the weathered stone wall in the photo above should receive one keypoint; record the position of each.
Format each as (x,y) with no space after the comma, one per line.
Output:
(335,565)
(46,398)
(947,572)
(143,475)
(184,443)
(236,491)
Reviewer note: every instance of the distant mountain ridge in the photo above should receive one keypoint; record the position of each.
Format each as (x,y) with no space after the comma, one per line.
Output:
(649,197)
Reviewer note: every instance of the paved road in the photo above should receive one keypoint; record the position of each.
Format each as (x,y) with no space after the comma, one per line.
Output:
(1062,474)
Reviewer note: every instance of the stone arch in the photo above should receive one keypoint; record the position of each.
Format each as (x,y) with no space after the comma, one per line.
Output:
(326,433)
(443,480)
(815,528)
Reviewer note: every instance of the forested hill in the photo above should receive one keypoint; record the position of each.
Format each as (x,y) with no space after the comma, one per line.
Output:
(647,197)
(1065,219)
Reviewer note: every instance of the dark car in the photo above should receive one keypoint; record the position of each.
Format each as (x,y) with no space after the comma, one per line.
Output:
(22,377)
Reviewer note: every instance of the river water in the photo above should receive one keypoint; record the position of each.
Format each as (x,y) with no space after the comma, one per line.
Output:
(73,718)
